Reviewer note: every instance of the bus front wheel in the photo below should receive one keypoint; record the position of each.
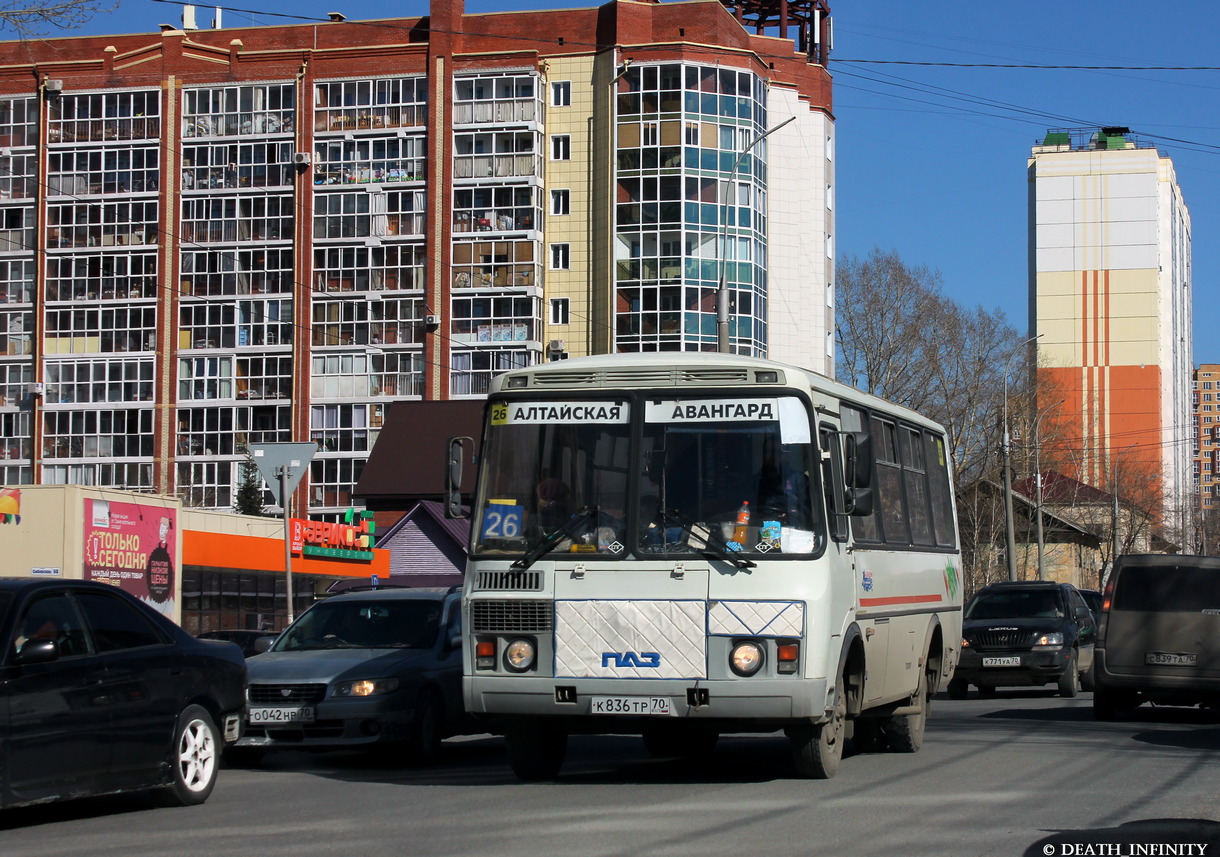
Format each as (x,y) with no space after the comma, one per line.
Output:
(536,748)
(905,731)
(817,750)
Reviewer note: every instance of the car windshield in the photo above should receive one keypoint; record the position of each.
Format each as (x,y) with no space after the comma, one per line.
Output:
(1016,604)
(363,624)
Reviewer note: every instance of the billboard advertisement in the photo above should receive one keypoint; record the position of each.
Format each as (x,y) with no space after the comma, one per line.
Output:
(132,546)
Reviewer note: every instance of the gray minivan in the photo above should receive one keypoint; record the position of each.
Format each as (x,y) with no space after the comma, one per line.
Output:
(1159,636)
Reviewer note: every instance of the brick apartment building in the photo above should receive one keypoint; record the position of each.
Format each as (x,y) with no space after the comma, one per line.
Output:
(210,238)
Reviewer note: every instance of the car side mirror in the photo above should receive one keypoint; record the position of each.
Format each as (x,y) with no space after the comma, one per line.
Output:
(263,644)
(37,652)
(1083,613)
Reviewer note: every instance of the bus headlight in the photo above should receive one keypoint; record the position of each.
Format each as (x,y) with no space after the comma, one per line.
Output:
(519,655)
(746,658)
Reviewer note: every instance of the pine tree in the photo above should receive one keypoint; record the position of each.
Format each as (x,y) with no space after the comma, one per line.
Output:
(249,499)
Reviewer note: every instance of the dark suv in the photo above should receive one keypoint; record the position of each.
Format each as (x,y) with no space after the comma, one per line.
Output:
(1025,633)
(1159,638)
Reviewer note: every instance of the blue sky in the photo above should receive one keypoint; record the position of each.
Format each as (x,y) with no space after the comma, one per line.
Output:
(932,159)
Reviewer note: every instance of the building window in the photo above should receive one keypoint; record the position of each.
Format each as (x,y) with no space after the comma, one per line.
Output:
(561,93)
(359,104)
(561,202)
(559,310)
(494,98)
(232,165)
(233,111)
(472,371)
(376,160)
(559,257)
(482,264)
(483,318)
(561,147)
(81,382)
(98,118)
(495,209)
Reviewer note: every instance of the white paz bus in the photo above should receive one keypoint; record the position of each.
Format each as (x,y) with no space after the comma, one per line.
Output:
(681,545)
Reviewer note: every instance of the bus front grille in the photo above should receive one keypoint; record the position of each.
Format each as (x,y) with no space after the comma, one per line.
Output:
(501,617)
(509,581)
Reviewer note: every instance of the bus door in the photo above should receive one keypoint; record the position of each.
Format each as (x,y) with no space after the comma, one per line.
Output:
(856,571)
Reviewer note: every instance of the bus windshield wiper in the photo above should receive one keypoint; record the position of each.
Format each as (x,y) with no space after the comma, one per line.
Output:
(567,531)
(713,546)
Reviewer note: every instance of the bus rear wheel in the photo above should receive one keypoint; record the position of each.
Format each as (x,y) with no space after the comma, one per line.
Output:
(818,749)
(536,748)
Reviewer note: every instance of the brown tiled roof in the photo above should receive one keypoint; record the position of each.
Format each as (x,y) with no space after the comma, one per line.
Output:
(408,461)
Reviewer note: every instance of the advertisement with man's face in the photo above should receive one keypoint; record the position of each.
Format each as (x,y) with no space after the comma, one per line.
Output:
(131,546)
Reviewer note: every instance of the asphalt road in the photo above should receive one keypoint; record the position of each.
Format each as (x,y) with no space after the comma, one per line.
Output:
(1023,772)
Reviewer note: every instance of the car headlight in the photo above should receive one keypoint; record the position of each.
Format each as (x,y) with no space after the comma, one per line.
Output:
(519,655)
(366,687)
(965,643)
(1055,639)
(746,658)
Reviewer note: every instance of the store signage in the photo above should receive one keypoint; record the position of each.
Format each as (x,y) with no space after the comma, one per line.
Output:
(351,538)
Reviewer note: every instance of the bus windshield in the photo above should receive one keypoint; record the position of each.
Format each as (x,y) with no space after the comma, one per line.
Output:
(721,476)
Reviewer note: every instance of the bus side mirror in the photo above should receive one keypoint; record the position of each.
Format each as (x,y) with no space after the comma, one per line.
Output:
(453,476)
(858,472)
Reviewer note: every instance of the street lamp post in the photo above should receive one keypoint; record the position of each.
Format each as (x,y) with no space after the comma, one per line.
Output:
(1010,541)
(1038,484)
(722,293)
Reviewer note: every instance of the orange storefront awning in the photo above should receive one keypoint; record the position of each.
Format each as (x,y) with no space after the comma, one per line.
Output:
(256,553)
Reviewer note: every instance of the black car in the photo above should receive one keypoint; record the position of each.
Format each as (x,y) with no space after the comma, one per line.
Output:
(381,667)
(1025,633)
(245,640)
(99,693)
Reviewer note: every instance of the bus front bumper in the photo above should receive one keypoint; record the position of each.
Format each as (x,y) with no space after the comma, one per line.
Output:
(775,701)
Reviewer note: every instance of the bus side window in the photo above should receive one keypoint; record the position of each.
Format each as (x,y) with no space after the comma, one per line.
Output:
(832,483)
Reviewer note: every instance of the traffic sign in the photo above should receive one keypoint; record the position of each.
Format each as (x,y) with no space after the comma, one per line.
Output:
(272,457)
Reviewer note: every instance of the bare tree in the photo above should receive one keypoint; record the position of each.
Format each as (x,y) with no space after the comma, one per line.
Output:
(34,17)
(900,338)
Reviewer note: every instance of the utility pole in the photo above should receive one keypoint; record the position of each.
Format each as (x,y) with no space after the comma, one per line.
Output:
(1010,539)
